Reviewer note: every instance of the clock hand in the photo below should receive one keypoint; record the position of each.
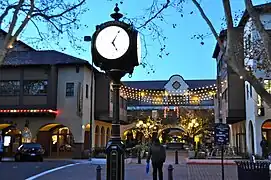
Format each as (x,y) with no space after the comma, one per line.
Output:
(114,45)
(115,38)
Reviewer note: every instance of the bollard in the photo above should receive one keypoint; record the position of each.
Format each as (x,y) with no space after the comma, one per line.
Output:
(252,158)
(138,157)
(176,157)
(170,172)
(98,173)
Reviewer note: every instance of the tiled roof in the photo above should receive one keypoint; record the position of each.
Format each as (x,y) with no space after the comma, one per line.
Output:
(159,85)
(49,57)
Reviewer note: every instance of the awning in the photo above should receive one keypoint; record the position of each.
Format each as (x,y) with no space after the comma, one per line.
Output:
(48,127)
(3,126)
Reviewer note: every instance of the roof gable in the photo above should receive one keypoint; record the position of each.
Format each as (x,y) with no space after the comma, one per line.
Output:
(18,43)
(160,84)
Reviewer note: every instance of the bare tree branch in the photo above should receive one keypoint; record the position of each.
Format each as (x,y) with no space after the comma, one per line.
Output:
(46,17)
(155,15)
(228,13)
(209,24)
(12,25)
(5,13)
(23,24)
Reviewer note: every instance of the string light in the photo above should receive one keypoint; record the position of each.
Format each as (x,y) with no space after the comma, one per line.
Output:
(191,96)
(28,111)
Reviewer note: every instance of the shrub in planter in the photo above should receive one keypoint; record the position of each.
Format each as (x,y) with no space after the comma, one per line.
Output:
(191,154)
(97,151)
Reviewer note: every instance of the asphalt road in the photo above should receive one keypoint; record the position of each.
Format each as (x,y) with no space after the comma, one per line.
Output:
(24,170)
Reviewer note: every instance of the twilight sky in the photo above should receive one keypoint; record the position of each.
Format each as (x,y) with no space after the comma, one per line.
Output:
(187,57)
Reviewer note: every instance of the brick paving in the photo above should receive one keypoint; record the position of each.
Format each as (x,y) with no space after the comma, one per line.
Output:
(137,171)
(211,172)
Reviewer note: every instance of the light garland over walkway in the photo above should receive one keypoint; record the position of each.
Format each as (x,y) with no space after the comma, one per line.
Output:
(158,97)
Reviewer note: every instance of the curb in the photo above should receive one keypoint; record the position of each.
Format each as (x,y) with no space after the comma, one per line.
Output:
(209,162)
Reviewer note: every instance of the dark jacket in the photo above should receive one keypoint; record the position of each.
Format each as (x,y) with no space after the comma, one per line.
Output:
(157,154)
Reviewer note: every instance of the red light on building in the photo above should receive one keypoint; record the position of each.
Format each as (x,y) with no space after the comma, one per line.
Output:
(28,110)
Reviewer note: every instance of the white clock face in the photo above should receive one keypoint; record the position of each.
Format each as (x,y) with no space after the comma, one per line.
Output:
(138,48)
(112,42)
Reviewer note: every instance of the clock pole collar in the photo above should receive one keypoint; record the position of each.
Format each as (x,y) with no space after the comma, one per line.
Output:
(116,15)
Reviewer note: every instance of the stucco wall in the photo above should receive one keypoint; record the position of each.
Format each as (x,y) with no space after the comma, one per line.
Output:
(251,102)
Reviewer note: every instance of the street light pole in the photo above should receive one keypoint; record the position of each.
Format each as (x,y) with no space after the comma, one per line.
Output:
(115,148)
(91,121)
(116,65)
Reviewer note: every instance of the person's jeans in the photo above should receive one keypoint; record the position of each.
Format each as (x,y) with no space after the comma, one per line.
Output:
(157,166)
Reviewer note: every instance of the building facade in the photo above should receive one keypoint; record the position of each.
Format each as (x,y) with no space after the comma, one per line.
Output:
(230,99)
(257,112)
(254,115)
(164,101)
(48,94)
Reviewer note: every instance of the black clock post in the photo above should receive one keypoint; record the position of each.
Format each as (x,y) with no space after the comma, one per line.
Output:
(116,63)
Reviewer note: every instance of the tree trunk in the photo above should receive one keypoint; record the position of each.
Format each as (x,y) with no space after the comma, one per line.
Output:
(232,60)
(235,61)
(255,16)
(3,53)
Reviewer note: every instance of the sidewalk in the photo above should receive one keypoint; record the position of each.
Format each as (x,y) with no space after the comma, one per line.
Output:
(134,171)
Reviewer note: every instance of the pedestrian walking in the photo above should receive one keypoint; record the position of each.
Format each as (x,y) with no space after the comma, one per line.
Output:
(157,154)
(264,146)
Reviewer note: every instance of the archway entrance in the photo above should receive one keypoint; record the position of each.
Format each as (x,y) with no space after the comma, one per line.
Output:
(12,138)
(251,140)
(56,139)
(266,132)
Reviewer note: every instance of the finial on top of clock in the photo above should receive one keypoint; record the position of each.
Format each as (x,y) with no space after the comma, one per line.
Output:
(116,15)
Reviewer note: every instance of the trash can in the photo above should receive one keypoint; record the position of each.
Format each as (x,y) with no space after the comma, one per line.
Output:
(253,170)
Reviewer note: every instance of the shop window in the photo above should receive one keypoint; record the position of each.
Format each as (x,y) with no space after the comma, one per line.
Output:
(87,90)
(9,88)
(69,89)
(35,87)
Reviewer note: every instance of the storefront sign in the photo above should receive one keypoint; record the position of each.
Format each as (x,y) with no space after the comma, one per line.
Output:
(221,134)
(154,114)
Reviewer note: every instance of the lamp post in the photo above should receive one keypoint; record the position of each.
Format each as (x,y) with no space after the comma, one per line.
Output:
(116,49)
(91,121)
(192,125)
(147,128)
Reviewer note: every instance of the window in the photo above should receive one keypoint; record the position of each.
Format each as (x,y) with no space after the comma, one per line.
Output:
(111,96)
(250,90)
(248,44)
(9,88)
(69,89)
(225,95)
(77,69)
(247,91)
(121,102)
(86,90)
(35,87)
(267,85)
(124,104)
